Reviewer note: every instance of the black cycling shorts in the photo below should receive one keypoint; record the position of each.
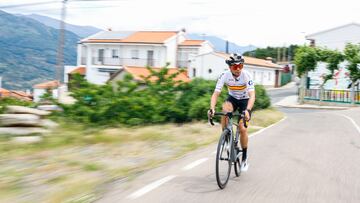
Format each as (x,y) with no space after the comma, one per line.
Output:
(238,104)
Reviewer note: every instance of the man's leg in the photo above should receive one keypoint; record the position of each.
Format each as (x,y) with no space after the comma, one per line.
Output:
(226,107)
(243,139)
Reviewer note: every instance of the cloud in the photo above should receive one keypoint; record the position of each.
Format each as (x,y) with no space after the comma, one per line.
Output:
(258,22)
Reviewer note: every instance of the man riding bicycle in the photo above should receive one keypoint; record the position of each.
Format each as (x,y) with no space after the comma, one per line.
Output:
(241,97)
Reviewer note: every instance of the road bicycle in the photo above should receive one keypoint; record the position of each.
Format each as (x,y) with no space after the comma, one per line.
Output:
(227,153)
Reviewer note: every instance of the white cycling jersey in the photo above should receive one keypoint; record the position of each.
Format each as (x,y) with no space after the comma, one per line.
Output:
(239,87)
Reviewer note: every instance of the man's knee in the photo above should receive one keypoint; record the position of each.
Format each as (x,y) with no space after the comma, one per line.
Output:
(227,107)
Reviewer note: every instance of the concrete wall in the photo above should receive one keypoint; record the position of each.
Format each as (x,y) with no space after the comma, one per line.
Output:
(337,38)
(171,52)
(210,66)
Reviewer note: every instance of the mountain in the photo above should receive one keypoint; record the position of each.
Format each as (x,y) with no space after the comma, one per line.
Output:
(220,44)
(81,31)
(28,51)
(85,31)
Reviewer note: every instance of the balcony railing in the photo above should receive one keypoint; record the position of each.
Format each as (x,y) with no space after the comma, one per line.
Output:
(183,63)
(109,61)
(341,96)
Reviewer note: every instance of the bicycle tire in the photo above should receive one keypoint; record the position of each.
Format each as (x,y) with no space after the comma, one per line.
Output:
(237,167)
(225,137)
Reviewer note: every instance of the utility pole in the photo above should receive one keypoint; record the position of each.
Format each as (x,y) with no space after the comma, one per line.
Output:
(284,54)
(61,44)
(60,52)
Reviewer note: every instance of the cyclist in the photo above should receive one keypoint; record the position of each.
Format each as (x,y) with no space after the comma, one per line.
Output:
(241,97)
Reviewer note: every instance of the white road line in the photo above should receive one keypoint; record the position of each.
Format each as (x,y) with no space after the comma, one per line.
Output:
(150,187)
(194,164)
(262,130)
(352,121)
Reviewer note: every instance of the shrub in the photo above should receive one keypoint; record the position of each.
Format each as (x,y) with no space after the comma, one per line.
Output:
(153,101)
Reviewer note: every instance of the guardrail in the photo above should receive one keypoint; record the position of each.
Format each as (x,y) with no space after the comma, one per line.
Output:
(340,96)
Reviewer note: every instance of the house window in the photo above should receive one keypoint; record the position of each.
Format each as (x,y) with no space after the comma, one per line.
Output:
(101,55)
(254,75)
(135,54)
(269,76)
(194,72)
(115,53)
(210,71)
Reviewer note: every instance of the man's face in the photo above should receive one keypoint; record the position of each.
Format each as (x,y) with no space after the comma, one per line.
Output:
(236,69)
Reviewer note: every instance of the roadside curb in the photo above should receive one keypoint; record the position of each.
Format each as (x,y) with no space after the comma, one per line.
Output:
(312,107)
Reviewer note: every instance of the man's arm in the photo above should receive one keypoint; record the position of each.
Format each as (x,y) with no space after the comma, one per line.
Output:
(215,95)
(214,98)
(250,105)
(251,100)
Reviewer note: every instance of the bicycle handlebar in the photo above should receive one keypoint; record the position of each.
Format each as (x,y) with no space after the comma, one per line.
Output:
(230,115)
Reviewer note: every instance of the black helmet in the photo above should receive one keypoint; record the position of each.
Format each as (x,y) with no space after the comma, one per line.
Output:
(234,59)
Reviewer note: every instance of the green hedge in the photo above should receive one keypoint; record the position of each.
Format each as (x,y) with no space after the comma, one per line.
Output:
(134,103)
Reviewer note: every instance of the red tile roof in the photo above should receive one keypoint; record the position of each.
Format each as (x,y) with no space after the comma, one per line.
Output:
(192,42)
(252,61)
(80,70)
(47,85)
(150,37)
(21,95)
(15,94)
(4,92)
(158,37)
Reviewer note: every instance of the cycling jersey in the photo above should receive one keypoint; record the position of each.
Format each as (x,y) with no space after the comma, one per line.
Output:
(239,87)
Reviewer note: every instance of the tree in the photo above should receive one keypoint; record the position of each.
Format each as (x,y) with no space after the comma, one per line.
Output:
(306,59)
(332,59)
(352,55)
(272,52)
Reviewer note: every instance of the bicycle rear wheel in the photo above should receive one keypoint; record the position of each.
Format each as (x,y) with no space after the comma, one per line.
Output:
(223,160)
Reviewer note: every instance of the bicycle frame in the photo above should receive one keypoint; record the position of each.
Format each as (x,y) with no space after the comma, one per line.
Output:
(229,127)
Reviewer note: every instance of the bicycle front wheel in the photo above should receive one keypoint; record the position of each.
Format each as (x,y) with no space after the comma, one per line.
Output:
(223,160)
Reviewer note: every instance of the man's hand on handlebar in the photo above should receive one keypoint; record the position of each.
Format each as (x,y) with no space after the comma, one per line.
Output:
(211,113)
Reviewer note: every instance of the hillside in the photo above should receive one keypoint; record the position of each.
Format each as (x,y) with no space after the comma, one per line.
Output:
(28,51)
(220,44)
(81,31)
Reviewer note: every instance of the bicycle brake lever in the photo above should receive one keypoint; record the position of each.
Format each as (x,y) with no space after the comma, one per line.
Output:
(211,121)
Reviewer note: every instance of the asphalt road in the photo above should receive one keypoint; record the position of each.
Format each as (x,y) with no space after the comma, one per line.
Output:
(278,94)
(310,156)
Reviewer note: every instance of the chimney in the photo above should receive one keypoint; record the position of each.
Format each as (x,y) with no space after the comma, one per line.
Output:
(227,47)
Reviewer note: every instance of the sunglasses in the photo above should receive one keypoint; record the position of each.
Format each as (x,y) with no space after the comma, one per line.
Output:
(237,66)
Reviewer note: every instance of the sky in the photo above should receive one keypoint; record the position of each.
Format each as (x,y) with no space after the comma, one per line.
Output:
(253,22)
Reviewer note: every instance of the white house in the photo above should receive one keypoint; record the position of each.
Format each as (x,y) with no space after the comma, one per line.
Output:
(211,65)
(336,38)
(188,49)
(106,52)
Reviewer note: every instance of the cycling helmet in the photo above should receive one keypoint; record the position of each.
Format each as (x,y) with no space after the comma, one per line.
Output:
(234,59)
